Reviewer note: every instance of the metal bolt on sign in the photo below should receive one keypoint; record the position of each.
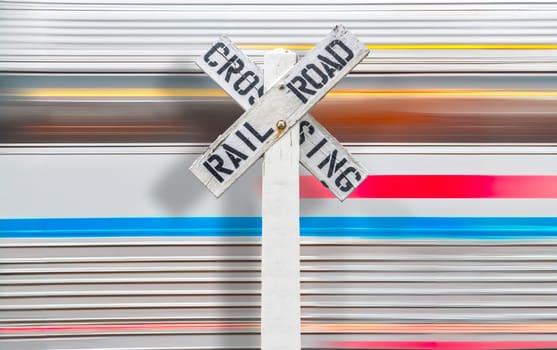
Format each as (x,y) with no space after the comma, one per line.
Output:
(281,124)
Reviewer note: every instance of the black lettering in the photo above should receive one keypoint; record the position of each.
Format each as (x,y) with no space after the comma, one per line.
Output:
(343,183)
(246,140)
(333,165)
(224,52)
(227,64)
(255,133)
(234,155)
(251,85)
(309,78)
(310,130)
(233,66)
(252,99)
(325,60)
(301,88)
(346,49)
(330,71)
(339,59)
(296,92)
(316,148)
(218,167)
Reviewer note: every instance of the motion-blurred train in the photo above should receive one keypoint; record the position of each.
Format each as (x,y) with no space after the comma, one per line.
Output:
(108,242)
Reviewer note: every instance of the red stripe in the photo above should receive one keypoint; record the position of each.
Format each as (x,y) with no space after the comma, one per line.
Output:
(442,186)
(432,345)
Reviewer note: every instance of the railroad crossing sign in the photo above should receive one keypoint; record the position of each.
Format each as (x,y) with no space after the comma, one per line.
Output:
(269,115)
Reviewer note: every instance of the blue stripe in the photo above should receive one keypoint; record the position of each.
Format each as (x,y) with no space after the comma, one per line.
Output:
(338,227)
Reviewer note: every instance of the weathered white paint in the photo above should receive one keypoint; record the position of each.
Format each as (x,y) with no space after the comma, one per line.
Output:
(344,179)
(285,100)
(280,253)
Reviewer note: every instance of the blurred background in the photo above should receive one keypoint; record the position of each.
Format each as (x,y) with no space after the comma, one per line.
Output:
(108,242)
(456,71)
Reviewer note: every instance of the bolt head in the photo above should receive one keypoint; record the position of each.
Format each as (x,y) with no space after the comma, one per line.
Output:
(281,124)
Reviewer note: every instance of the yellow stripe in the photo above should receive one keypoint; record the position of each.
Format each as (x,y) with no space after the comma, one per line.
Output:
(302,47)
(142,92)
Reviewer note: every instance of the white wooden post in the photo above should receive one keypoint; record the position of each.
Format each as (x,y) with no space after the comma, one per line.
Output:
(280,256)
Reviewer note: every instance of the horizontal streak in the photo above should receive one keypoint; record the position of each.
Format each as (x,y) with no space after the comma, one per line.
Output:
(434,345)
(119,92)
(334,227)
(179,92)
(429,328)
(200,326)
(444,93)
(131,227)
(409,328)
(442,186)
(470,46)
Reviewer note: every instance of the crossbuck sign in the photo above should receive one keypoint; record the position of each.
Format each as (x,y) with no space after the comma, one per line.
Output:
(269,115)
